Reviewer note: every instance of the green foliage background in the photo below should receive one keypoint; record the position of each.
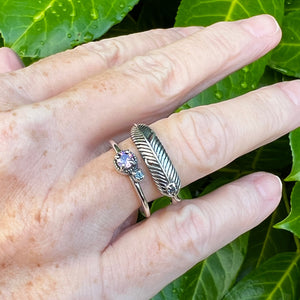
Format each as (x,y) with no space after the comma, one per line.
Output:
(265,262)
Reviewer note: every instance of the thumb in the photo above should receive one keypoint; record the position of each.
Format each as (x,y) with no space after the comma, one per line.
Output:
(9,60)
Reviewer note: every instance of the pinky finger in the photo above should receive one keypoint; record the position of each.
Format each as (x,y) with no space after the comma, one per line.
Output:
(9,60)
(171,241)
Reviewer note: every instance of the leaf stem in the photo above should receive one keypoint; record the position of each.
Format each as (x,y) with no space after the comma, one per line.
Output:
(285,198)
(287,206)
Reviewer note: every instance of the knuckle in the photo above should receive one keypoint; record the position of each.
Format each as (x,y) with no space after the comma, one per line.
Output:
(107,51)
(157,71)
(205,136)
(193,230)
(245,210)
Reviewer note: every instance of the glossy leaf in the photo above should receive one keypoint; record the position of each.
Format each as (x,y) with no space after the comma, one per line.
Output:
(157,14)
(277,278)
(159,204)
(273,157)
(291,6)
(292,222)
(272,76)
(286,57)
(295,146)
(210,11)
(127,26)
(265,241)
(39,28)
(207,12)
(211,278)
(165,201)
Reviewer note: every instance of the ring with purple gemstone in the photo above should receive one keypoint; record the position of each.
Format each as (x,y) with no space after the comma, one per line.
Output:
(126,163)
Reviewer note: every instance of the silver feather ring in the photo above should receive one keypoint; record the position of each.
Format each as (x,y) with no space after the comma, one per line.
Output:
(157,160)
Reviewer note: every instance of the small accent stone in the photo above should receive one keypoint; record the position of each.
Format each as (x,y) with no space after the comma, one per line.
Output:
(138,175)
(171,189)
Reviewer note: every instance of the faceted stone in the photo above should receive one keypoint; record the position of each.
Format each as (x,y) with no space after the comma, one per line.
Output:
(125,160)
(171,189)
(138,175)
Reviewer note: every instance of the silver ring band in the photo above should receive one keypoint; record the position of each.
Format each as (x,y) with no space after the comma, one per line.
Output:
(157,160)
(126,163)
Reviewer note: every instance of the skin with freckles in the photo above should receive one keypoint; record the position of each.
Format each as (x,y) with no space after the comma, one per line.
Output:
(68,219)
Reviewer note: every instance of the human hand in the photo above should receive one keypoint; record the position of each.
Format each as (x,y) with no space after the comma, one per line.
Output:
(67,217)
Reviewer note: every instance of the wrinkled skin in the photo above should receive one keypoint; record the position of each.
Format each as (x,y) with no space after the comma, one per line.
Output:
(68,219)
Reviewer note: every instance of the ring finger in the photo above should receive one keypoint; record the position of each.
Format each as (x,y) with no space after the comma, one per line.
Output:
(206,138)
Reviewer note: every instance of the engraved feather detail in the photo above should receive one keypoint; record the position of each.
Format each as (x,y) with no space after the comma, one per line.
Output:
(157,160)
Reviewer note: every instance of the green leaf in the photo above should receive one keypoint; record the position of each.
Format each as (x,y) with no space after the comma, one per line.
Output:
(207,12)
(234,85)
(165,201)
(39,28)
(127,26)
(159,204)
(211,278)
(274,157)
(265,241)
(295,146)
(292,222)
(291,5)
(272,76)
(157,14)
(286,57)
(278,278)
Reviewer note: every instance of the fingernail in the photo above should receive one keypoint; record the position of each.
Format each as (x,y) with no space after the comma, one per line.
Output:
(260,26)
(292,89)
(268,185)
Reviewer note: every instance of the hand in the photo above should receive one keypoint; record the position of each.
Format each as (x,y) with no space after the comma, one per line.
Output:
(68,218)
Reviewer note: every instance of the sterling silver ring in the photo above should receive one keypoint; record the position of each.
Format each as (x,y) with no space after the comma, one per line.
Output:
(157,160)
(126,163)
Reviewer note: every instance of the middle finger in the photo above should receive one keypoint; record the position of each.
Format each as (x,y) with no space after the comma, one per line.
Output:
(149,87)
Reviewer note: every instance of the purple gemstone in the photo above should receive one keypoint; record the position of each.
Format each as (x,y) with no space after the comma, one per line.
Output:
(125,160)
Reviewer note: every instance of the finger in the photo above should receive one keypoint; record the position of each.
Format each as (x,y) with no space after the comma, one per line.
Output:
(9,60)
(174,239)
(150,87)
(198,141)
(57,73)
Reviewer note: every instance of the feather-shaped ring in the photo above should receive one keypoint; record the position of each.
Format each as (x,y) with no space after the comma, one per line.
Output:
(157,160)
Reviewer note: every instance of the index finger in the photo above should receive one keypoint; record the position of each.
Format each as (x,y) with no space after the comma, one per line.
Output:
(149,87)
(61,71)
